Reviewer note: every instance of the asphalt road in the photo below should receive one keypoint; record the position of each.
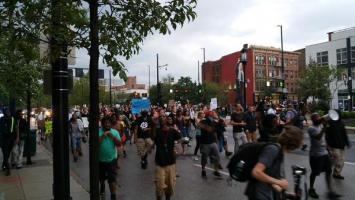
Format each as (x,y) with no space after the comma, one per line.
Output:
(138,184)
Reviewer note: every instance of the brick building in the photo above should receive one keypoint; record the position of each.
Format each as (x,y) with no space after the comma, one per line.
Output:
(131,86)
(262,73)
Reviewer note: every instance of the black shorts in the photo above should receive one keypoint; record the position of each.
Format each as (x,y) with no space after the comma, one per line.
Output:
(320,164)
(108,170)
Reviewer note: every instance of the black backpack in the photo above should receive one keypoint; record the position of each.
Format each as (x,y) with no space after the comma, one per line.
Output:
(243,162)
(296,120)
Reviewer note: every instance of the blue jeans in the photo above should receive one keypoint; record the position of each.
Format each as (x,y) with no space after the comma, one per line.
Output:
(185,132)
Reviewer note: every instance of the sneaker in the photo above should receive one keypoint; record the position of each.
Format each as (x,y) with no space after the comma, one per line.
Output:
(312,193)
(144,164)
(8,173)
(217,174)
(333,195)
(196,158)
(304,147)
(203,174)
(338,177)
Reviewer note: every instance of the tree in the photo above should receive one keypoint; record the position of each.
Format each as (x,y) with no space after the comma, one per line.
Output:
(214,90)
(315,82)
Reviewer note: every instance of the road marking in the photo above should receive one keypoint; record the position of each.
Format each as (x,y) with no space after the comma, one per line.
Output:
(350,163)
(210,169)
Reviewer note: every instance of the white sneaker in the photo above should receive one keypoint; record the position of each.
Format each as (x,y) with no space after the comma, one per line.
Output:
(196,158)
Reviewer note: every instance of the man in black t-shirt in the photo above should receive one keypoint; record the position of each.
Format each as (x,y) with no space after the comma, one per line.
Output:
(142,137)
(209,147)
(238,122)
(165,158)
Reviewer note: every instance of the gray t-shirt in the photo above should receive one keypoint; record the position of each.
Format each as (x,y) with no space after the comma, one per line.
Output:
(318,147)
(272,158)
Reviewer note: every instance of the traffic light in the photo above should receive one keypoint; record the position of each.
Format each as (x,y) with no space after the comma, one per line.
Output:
(281,84)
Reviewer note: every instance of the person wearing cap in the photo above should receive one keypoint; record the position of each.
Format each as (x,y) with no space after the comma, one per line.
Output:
(319,157)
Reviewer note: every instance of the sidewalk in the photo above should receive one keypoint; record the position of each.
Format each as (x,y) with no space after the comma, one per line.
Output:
(35,181)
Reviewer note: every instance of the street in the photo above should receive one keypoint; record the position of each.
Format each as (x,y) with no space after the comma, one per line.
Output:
(138,184)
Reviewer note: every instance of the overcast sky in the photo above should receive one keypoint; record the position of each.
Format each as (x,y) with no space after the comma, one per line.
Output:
(223,26)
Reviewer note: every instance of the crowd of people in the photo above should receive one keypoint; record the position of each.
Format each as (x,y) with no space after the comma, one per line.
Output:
(171,131)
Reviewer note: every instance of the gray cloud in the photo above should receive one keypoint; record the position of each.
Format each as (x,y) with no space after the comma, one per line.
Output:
(223,26)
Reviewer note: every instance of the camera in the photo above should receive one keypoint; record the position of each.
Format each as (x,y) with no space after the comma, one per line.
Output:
(298,170)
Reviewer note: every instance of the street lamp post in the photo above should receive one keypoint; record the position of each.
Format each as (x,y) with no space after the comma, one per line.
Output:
(158,82)
(110,88)
(282,66)
(241,78)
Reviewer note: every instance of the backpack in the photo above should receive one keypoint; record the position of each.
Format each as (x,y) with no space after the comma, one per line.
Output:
(243,162)
(296,120)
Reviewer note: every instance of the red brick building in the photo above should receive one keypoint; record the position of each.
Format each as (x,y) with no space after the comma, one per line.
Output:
(262,73)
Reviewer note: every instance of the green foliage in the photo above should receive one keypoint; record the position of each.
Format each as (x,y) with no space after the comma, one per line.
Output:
(214,90)
(348,115)
(123,25)
(315,80)
(187,91)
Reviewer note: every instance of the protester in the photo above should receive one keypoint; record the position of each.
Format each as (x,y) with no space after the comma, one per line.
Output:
(200,116)
(268,177)
(17,151)
(76,131)
(109,140)
(220,129)
(238,122)
(9,137)
(209,147)
(319,157)
(250,120)
(337,139)
(165,158)
(143,134)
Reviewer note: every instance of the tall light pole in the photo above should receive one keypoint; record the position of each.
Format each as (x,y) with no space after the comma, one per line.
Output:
(204,54)
(198,72)
(244,61)
(282,66)
(110,88)
(158,82)
(149,77)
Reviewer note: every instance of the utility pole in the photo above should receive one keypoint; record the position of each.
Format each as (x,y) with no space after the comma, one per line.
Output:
(149,77)
(94,101)
(282,66)
(204,54)
(350,82)
(158,84)
(61,183)
(198,72)
(110,88)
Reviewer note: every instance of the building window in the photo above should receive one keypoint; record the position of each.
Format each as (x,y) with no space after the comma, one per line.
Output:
(260,60)
(322,58)
(216,73)
(260,72)
(79,72)
(272,60)
(101,74)
(260,84)
(353,54)
(341,56)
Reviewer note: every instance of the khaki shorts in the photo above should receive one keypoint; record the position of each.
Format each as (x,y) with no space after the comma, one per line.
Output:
(144,146)
(165,180)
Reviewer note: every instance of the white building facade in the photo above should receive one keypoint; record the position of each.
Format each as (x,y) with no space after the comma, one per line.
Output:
(333,53)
